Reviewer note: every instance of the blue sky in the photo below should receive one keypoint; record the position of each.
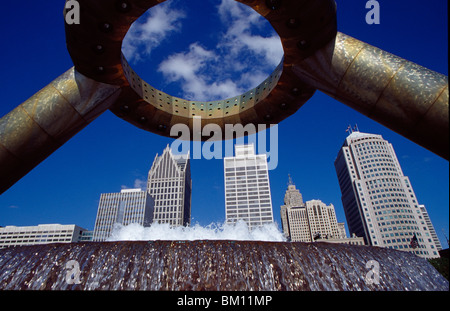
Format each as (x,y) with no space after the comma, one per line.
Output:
(223,50)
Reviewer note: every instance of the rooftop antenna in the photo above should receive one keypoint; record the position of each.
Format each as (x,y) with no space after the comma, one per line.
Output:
(349,129)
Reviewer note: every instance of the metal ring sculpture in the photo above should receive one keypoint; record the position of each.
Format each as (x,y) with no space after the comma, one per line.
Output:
(95,47)
(401,95)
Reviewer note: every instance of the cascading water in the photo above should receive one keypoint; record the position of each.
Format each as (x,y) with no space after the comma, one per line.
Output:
(214,265)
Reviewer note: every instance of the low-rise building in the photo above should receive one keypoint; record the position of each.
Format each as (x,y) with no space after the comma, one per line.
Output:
(40,234)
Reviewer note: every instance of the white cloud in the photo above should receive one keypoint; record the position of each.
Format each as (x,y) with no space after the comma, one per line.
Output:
(239,37)
(138,183)
(229,70)
(252,79)
(231,9)
(143,37)
(238,59)
(267,47)
(189,68)
(186,65)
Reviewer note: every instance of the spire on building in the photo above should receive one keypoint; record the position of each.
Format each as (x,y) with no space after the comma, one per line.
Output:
(290,182)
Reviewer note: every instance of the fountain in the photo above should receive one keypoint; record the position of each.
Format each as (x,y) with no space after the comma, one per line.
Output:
(214,265)
(317,56)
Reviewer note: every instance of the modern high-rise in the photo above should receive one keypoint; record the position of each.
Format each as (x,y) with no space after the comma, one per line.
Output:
(306,222)
(169,183)
(379,201)
(167,198)
(247,187)
(125,207)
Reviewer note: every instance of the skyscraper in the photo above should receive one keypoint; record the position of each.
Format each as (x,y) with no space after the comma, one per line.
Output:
(305,222)
(379,202)
(167,198)
(169,183)
(125,207)
(247,187)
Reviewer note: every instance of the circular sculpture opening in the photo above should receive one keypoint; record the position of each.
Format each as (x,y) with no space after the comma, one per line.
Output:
(95,46)
(235,42)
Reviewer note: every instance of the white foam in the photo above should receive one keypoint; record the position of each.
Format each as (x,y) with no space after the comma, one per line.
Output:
(238,231)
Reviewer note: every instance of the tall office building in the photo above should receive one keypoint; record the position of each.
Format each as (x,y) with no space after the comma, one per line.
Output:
(379,201)
(247,187)
(306,222)
(169,183)
(167,198)
(125,207)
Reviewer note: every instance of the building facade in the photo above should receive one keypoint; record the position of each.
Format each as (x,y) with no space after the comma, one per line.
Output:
(170,185)
(341,229)
(379,201)
(87,236)
(125,207)
(247,188)
(430,227)
(322,220)
(294,217)
(40,234)
(310,221)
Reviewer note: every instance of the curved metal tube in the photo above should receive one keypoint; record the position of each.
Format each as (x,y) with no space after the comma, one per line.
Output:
(405,97)
(43,123)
